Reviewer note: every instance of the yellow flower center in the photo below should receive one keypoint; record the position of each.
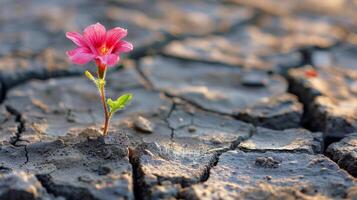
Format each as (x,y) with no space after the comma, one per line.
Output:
(103,50)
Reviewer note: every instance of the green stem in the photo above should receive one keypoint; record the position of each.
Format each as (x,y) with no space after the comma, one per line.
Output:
(106,114)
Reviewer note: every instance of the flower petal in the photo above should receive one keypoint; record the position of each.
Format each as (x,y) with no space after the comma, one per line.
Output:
(95,36)
(76,38)
(122,47)
(114,35)
(80,55)
(110,59)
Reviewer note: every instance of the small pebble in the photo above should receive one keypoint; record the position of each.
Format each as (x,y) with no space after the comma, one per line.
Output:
(142,124)
(268,178)
(254,80)
(267,162)
(192,129)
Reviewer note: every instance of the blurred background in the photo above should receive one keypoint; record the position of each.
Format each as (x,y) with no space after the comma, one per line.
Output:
(271,35)
(249,33)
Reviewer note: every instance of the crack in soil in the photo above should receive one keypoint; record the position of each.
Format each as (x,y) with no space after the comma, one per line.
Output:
(2,90)
(44,182)
(191,103)
(20,124)
(218,152)
(173,107)
(10,80)
(67,191)
(137,185)
(138,175)
(26,155)
(157,47)
(20,128)
(307,60)
(141,189)
(152,48)
(148,83)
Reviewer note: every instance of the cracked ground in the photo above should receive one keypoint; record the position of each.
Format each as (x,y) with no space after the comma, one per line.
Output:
(233,99)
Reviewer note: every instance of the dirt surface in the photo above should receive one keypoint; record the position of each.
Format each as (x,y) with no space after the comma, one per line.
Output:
(233,99)
(344,153)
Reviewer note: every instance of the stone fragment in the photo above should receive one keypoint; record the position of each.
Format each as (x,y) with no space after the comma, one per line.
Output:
(334,117)
(48,59)
(248,47)
(344,153)
(215,90)
(237,176)
(293,140)
(261,191)
(342,56)
(19,185)
(184,122)
(305,87)
(343,9)
(8,126)
(280,112)
(267,162)
(199,18)
(12,157)
(142,124)
(164,168)
(214,130)
(272,44)
(160,129)
(77,168)
(255,79)
(192,129)
(328,98)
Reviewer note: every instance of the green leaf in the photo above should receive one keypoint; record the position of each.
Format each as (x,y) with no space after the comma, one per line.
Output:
(120,103)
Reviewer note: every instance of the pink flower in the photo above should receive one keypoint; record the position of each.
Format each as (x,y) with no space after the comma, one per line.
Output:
(98,44)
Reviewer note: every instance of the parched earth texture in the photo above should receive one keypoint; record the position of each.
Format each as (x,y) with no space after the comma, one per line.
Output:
(233,99)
